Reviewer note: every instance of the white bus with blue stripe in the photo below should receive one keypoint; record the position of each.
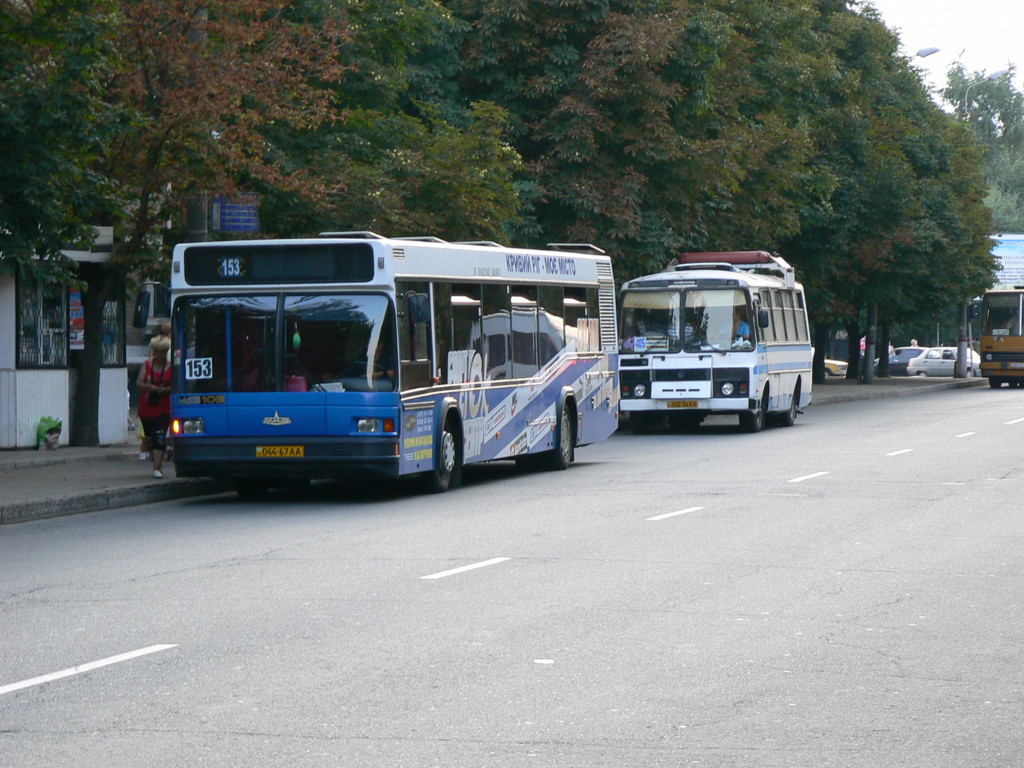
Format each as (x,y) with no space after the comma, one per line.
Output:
(713,334)
(354,355)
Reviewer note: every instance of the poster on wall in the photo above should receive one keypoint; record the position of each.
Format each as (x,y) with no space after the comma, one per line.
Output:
(76,319)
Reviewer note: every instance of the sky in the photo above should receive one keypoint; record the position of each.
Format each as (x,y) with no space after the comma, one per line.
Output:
(985,35)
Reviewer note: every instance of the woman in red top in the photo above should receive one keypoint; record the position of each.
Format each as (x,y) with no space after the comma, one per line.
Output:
(155,399)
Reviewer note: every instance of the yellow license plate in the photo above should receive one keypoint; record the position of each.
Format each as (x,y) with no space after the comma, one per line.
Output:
(682,403)
(280,451)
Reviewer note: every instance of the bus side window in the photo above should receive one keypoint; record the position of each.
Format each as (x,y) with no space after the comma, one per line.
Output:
(778,316)
(442,295)
(465,358)
(550,336)
(574,310)
(524,331)
(413,304)
(497,362)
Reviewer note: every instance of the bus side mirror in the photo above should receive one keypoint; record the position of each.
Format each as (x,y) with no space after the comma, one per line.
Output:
(762,318)
(419,307)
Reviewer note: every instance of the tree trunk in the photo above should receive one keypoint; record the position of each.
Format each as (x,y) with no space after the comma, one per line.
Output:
(869,347)
(884,341)
(853,335)
(821,347)
(100,282)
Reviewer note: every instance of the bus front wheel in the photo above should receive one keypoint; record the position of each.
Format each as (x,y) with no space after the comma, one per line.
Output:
(753,421)
(447,471)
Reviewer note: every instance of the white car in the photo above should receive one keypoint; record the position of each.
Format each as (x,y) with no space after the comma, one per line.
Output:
(941,361)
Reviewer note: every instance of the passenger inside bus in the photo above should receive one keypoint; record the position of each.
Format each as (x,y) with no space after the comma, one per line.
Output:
(740,327)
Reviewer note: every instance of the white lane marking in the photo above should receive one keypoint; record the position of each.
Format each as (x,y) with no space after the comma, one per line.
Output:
(1014,421)
(543,661)
(463,569)
(966,434)
(673,514)
(83,668)
(897,453)
(807,477)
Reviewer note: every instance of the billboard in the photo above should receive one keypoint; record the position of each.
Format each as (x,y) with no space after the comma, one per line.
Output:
(1009,250)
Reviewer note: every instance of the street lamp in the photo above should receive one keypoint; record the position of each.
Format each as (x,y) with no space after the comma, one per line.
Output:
(986,79)
(925,52)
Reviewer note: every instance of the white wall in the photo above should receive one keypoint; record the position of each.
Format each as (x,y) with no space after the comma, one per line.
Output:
(113,426)
(27,396)
(8,310)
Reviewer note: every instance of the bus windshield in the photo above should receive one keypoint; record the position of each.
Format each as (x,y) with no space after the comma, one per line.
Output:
(296,343)
(1002,315)
(697,319)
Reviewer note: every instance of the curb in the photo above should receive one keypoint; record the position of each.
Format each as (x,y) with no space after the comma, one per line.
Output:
(64,456)
(110,498)
(863,391)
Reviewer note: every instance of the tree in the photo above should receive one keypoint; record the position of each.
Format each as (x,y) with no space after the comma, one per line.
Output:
(994,112)
(651,127)
(405,154)
(904,228)
(186,113)
(54,118)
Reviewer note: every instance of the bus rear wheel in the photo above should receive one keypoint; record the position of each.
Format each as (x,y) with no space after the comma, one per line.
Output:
(995,382)
(788,418)
(562,455)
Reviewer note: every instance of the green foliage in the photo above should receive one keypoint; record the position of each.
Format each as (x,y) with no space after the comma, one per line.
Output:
(994,112)
(404,154)
(905,227)
(652,127)
(54,124)
(644,126)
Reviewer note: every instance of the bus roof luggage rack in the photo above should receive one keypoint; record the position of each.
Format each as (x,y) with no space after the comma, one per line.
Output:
(485,243)
(365,234)
(754,261)
(576,248)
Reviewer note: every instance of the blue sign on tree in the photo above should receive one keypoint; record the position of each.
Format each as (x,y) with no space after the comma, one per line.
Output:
(234,215)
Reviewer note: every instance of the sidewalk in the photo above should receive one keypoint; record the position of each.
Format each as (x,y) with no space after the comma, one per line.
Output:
(69,480)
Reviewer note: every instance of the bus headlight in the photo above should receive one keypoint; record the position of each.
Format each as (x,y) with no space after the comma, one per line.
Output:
(988,357)
(196,426)
(369,425)
(639,391)
(728,388)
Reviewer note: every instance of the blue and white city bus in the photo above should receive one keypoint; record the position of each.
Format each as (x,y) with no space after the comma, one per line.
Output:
(352,354)
(715,333)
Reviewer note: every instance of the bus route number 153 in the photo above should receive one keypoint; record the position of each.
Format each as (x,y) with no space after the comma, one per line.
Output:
(231,266)
(199,368)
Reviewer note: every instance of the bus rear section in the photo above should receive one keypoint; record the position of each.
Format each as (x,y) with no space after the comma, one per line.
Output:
(716,334)
(1002,339)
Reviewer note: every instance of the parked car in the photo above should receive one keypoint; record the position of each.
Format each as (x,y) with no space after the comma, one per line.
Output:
(900,357)
(835,367)
(940,361)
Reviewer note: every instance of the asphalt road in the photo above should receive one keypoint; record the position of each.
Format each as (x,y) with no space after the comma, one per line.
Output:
(847,592)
